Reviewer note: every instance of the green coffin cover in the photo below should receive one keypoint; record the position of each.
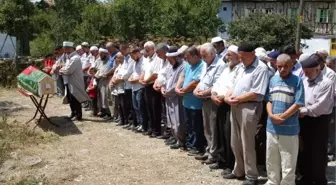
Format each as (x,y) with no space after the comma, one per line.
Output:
(30,82)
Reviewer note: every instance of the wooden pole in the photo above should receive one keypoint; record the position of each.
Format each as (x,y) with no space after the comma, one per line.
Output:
(299,24)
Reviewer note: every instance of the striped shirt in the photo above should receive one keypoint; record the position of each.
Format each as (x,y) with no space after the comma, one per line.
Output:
(283,93)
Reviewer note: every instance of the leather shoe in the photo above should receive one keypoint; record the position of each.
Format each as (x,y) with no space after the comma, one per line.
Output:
(201,158)
(232,176)
(172,142)
(216,166)
(163,137)
(250,182)
(209,161)
(193,152)
(147,133)
(175,146)
(226,171)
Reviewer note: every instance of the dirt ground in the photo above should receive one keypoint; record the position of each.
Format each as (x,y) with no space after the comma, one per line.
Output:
(93,152)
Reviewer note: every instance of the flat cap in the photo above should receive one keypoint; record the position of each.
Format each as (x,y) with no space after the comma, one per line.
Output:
(310,62)
(245,47)
(274,54)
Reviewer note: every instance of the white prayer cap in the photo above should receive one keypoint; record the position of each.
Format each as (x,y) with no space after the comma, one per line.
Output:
(182,49)
(94,48)
(68,44)
(216,39)
(323,51)
(304,56)
(79,47)
(233,48)
(86,44)
(102,50)
(260,52)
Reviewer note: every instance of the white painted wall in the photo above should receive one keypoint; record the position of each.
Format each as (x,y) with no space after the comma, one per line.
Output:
(315,44)
(8,47)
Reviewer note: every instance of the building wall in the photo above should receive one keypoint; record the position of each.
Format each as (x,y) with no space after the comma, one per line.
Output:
(243,8)
(8,49)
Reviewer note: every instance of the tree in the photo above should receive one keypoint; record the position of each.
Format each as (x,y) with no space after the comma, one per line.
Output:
(15,21)
(271,31)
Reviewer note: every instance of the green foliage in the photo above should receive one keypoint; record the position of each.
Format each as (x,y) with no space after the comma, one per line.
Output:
(42,45)
(271,31)
(92,21)
(15,21)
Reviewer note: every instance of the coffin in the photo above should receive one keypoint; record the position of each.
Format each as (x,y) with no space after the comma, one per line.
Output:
(36,82)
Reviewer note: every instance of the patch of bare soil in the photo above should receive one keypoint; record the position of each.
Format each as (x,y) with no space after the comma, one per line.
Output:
(93,152)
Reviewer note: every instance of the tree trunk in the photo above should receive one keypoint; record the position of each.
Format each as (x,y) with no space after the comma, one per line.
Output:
(22,45)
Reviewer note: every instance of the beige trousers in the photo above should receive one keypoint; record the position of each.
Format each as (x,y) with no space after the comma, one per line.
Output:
(282,152)
(244,121)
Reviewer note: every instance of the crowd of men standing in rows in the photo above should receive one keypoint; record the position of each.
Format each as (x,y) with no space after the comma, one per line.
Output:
(237,108)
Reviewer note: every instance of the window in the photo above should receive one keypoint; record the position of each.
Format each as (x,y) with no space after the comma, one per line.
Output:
(224,9)
(292,13)
(334,17)
(322,15)
(267,10)
(249,11)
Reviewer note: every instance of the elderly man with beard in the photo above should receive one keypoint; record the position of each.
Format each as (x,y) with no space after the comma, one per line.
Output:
(73,80)
(219,45)
(219,90)
(314,119)
(175,111)
(210,73)
(104,76)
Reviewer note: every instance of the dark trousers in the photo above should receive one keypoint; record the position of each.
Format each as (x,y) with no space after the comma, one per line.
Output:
(116,113)
(139,106)
(260,138)
(129,111)
(332,137)
(86,81)
(153,103)
(167,129)
(122,109)
(195,131)
(314,135)
(60,85)
(94,105)
(75,106)
(226,156)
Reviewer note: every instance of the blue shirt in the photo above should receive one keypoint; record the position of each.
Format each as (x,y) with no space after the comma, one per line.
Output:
(283,93)
(192,72)
(110,62)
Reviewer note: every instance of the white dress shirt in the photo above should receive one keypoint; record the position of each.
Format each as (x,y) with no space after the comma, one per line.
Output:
(153,65)
(329,73)
(127,70)
(225,81)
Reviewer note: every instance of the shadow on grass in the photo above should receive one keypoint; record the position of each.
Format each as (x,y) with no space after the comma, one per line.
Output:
(66,126)
(8,107)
